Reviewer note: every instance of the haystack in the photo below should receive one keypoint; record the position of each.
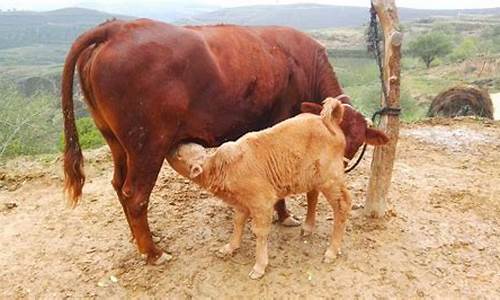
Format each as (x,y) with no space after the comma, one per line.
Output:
(462,101)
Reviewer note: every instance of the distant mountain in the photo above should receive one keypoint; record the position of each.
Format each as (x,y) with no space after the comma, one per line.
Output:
(313,16)
(159,10)
(26,28)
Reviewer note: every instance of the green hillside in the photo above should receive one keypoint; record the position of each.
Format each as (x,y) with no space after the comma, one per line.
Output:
(478,64)
(20,29)
(35,44)
(315,16)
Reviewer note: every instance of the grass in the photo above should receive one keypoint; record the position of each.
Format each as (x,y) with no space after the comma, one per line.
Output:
(360,79)
(34,55)
(32,61)
(33,125)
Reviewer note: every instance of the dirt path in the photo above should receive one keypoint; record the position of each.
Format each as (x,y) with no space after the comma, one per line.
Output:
(440,239)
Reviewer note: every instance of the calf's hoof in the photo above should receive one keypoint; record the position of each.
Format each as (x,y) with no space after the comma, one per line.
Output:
(255,274)
(164,257)
(290,221)
(306,231)
(226,250)
(331,256)
(357,206)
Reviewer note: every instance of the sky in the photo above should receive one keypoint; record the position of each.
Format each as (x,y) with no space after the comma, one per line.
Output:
(55,4)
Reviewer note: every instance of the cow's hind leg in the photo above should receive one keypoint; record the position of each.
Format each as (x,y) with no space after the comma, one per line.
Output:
(142,170)
(340,199)
(119,160)
(284,217)
(120,173)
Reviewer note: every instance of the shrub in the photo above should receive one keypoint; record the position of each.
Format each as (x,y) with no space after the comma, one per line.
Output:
(28,125)
(88,134)
(466,49)
(430,46)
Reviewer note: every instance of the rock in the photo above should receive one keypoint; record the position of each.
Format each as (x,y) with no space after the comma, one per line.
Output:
(10,205)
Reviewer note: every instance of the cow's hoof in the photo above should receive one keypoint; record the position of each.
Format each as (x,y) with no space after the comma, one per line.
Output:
(226,250)
(162,259)
(291,221)
(255,274)
(331,256)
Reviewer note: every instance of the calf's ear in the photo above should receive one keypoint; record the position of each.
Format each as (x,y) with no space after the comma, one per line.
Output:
(195,171)
(376,137)
(311,107)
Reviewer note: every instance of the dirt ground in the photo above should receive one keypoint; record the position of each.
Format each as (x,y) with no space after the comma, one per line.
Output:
(440,238)
(495,98)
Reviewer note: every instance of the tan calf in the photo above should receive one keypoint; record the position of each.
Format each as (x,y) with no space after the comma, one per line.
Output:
(298,155)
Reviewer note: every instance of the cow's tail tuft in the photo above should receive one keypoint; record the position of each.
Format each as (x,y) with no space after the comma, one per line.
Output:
(74,177)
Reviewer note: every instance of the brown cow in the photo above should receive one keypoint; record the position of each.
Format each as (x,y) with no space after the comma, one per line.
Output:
(150,86)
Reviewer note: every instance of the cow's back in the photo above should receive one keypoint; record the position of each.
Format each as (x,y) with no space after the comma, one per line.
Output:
(212,83)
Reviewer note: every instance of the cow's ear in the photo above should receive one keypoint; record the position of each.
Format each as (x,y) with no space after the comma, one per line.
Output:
(195,171)
(344,99)
(311,107)
(376,137)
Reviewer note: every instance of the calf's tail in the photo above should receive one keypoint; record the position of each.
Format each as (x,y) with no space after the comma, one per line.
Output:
(332,114)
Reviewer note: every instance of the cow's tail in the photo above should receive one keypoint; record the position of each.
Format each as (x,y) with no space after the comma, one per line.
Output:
(74,178)
(332,114)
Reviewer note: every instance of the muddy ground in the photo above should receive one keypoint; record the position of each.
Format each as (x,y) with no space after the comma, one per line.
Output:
(440,238)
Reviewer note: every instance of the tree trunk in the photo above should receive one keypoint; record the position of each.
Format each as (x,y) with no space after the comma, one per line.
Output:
(383,157)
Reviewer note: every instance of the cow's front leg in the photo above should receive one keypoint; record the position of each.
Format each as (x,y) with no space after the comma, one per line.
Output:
(240,217)
(284,216)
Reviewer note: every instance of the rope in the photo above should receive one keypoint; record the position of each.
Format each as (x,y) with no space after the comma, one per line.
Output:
(374,46)
(360,157)
(390,111)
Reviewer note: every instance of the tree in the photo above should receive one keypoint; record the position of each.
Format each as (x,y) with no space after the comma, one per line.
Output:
(466,49)
(429,46)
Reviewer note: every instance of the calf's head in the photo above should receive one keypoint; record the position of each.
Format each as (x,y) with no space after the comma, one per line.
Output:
(188,159)
(355,128)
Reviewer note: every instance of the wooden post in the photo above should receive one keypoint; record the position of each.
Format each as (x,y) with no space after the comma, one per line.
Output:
(383,157)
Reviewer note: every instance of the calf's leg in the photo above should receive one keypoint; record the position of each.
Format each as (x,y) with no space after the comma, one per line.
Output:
(261,225)
(309,223)
(240,217)
(340,199)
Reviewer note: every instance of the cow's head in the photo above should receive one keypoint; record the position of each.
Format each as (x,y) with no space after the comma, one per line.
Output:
(355,128)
